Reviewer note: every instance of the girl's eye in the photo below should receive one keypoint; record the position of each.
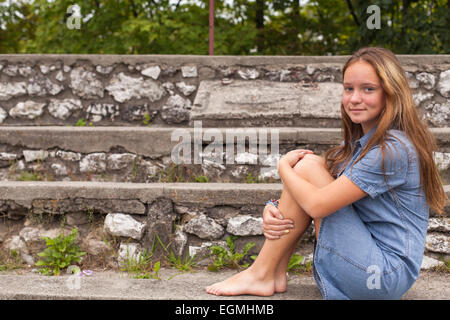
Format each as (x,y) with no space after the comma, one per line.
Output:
(347,89)
(369,89)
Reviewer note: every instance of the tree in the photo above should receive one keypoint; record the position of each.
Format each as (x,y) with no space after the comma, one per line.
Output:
(273,27)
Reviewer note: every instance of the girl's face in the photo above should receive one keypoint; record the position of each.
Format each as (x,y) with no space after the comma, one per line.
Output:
(363,97)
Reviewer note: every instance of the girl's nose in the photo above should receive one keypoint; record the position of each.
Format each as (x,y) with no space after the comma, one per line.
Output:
(356,97)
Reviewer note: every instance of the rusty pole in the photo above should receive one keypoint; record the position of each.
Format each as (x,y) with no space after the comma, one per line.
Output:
(211,27)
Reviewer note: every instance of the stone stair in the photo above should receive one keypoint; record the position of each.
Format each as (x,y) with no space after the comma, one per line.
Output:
(118,180)
(143,154)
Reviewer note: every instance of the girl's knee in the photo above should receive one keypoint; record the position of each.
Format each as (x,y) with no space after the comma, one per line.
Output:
(315,158)
(308,163)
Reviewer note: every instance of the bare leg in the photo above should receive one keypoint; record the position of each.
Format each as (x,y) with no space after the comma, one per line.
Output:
(268,273)
(259,279)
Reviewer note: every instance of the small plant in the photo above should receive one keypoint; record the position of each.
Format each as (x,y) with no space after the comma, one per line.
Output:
(141,264)
(295,262)
(445,267)
(174,173)
(224,257)
(201,179)
(183,265)
(11,262)
(253,179)
(147,119)
(60,253)
(136,263)
(82,123)
(29,176)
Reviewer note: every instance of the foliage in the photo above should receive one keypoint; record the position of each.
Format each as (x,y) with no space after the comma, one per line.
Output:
(228,257)
(297,264)
(289,27)
(60,253)
(201,179)
(141,266)
(182,265)
(10,261)
(82,123)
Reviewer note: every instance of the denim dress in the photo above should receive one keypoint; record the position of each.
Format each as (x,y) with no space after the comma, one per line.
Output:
(373,248)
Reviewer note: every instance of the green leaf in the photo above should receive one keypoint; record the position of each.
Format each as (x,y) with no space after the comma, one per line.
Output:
(157,266)
(40,263)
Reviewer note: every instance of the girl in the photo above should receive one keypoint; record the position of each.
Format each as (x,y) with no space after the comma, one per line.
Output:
(369,197)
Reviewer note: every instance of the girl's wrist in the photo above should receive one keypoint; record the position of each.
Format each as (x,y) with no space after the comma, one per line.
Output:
(272,202)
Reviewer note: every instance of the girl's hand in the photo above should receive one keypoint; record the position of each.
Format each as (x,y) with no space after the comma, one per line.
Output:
(274,225)
(294,156)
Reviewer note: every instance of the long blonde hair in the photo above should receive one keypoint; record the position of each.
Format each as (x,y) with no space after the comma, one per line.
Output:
(399,113)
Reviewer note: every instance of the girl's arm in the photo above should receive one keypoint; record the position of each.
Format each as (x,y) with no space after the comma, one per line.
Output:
(319,202)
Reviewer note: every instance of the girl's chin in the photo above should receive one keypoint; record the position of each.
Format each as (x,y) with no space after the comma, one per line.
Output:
(357,120)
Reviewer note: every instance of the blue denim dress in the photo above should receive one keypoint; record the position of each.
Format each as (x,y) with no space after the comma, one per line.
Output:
(373,248)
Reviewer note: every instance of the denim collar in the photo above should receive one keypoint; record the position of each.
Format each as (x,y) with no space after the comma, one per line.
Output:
(361,142)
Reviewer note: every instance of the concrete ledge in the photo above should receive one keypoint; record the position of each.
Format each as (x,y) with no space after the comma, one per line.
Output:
(190,286)
(107,59)
(197,194)
(203,194)
(156,142)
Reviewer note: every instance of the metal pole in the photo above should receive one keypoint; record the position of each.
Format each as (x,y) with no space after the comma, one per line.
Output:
(211,27)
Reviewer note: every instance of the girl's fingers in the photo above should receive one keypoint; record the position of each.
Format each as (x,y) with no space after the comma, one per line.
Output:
(274,227)
(276,213)
(275,234)
(270,237)
(277,221)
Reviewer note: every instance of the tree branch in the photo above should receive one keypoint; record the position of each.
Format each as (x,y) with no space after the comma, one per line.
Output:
(352,11)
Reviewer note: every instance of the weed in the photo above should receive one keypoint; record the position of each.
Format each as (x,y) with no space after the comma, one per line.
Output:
(182,265)
(141,266)
(223,257)
(201,179)
(82,123)
(60,253)
(135,167)
(445,268)
(147,119)
(174,173)
(253,179)
(297,264)
(11,262)
(29,176)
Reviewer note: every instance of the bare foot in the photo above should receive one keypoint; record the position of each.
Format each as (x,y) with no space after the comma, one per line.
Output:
(281,282)
(245,282)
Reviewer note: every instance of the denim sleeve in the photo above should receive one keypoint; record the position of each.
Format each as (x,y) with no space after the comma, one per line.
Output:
(367,173)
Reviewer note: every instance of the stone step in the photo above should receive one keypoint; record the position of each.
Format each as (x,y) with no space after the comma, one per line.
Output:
(205,212)
(140,154)
(266,103)
(187,217)
(61,197)
(172,90)
(175,286)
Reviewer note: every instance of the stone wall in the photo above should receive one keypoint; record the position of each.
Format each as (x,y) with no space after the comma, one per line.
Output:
(160,90)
